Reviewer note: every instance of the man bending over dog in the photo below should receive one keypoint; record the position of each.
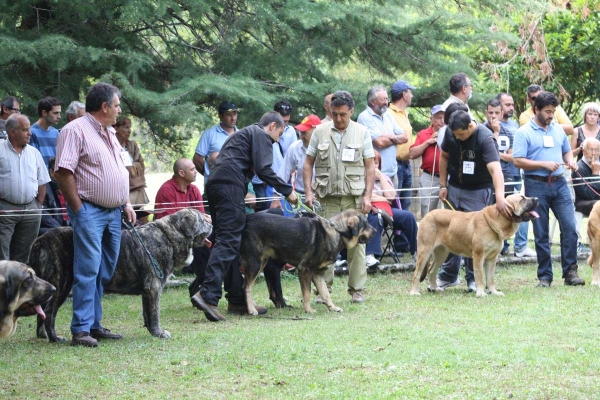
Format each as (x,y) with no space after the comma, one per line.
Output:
(342,154)
(93,178)
(470,159)
(243,154)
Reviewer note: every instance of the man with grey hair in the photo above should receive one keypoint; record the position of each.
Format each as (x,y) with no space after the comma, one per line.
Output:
(9,106)
(75,110)
(93,179)
(23,181)
(342,150)
(327,107)
(384,130)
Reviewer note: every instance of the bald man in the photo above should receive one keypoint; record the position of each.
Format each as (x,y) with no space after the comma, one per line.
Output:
(178,192)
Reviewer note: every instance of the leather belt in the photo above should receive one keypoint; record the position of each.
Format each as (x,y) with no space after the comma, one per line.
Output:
(548,179)
(427,172)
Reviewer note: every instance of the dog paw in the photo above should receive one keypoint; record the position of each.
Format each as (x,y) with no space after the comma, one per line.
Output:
(496,293)
(595,283)
(414,293)
(336,309)
(164,335)
(436,289)
(310,310)
(481,294)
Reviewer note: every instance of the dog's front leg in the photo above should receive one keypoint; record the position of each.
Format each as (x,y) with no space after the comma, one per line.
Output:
(151,311)
(319,281)
(490,269)
(478,271)
(305,277)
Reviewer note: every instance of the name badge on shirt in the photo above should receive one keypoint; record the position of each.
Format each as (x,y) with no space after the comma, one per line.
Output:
(469,167)
(348,155)
(126,158)
(548,141)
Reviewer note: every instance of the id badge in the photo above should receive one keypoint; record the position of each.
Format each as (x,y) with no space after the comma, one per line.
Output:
(126,158)
(469,167)
(348,155)
(548,141)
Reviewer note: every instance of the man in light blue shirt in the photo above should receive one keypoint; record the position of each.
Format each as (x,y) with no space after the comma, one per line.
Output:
(384,130)
(213,138)
(43,134)
(541,149)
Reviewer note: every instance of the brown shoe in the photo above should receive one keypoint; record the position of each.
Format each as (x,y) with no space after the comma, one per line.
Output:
(241,309)
(357,297)
(571,277)
(104,333)
(211,312)
(84,339)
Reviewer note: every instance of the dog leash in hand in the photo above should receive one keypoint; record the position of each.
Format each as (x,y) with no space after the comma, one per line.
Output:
(295,209)
(449,205)
(157,271)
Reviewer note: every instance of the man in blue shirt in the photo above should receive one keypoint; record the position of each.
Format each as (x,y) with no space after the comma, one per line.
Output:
(213,138)
(541,149)
(43,134)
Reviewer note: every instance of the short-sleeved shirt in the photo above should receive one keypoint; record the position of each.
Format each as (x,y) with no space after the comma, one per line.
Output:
(21,174)
(505,142)
(294,161)
(288,137)
(93,154)
(377,125)
(45,141)
(529,144)
(401,118)
(512,126)
(560,116)
(171,198)
(211,140)
(431,153)
(368,152)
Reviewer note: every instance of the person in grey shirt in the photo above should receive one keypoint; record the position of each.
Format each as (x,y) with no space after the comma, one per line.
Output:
(23,178)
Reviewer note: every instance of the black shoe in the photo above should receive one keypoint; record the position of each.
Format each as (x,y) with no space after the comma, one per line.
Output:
(211,312)
(84,339)
(571,277)
(104,333)
(543,283)
(241,309)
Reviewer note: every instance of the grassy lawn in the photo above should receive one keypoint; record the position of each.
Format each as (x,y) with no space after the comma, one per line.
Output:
(531,344)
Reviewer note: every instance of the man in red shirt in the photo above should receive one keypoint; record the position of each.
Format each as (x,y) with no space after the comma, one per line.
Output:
(178,192)
(425,146)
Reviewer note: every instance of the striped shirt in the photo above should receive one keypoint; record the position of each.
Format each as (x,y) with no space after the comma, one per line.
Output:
(92,154)
(21,174)
(44,141)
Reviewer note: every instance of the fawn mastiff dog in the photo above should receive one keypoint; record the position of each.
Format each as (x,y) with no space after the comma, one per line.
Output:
(309,243)
(593,231)
(21,295)
(478,235)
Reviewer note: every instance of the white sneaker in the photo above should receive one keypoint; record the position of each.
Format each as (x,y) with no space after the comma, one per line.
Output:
(526,253)
(443,284)
(371,261)
(340,263)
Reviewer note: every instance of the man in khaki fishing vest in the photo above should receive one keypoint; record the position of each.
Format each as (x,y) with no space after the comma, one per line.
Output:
(342,154)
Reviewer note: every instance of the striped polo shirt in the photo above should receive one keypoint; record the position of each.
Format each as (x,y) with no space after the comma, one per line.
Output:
(44,141)
(21,174)
(92,154)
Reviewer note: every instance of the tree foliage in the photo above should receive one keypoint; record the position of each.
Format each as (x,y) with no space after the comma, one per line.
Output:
(175,60)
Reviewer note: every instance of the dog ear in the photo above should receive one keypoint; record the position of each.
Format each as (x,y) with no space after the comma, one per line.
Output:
(354,225)
(8,294)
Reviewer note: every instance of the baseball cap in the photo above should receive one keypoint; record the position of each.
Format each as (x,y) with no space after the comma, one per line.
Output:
(436,109)
(226,107)
(401,86)
(308,123)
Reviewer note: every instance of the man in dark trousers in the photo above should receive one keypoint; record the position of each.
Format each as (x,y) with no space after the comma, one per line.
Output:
(243,154)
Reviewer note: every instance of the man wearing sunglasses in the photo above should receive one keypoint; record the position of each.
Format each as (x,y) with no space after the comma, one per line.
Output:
(560,116)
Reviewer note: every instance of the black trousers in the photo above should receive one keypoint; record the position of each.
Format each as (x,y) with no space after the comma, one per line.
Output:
(229,218)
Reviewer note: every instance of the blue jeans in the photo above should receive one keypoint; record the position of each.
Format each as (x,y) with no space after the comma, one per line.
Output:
(555,196)
(96,244)
(404,182)
(403,220)
(521,234)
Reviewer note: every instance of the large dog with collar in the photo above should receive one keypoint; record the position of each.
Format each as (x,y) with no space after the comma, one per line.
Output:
(21,295)
(478,235)
(310,243)
(169,240)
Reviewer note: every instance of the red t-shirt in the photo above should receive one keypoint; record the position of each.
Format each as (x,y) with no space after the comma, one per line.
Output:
(431,151)
(172,199)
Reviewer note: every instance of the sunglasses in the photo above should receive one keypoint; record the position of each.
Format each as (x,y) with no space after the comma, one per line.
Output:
(14,109)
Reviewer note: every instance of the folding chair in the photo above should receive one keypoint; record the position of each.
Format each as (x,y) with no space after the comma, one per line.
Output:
(387,222)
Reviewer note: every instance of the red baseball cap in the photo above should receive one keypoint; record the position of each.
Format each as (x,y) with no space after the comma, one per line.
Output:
(308,123)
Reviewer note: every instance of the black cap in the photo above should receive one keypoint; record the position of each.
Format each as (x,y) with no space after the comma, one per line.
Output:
(226,107)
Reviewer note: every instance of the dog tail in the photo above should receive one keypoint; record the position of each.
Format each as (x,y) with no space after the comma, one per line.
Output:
(425,271)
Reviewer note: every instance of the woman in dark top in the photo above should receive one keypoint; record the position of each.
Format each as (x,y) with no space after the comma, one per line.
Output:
(589,129)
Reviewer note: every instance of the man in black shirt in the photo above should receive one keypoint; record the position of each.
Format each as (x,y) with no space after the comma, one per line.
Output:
(470,159)
(243,154)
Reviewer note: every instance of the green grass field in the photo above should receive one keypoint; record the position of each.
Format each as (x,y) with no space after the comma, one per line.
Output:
(530,344)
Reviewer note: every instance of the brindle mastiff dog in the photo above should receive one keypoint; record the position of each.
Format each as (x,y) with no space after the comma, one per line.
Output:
(21,294)
(308,243)
(169,240)
(479,235)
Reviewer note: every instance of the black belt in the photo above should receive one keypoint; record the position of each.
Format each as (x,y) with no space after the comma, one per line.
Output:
(548,179)
(404,162)
(427,172)
(15,204)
